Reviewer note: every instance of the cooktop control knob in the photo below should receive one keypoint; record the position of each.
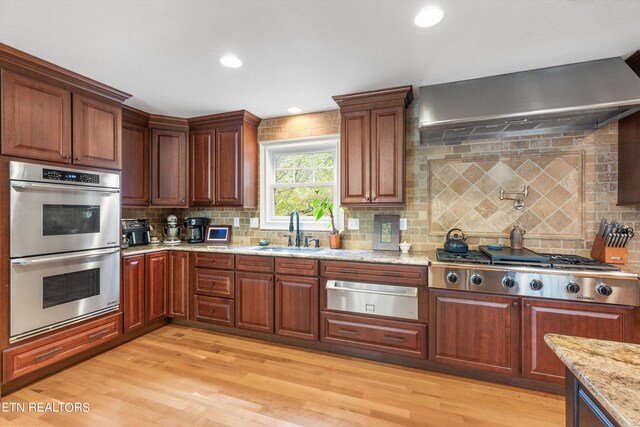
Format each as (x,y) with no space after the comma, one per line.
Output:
(476,279)
(452,278)
(572,288)
(535,284)
(508,282)
(604,290)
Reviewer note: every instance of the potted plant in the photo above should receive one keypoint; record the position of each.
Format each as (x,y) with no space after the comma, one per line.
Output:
(322,208)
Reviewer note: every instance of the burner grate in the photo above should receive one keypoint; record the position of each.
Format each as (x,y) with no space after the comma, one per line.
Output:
(474,257)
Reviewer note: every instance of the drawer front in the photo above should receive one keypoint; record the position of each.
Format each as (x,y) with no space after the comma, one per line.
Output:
(215,283)
(386,336)
(254,264)
(297,266)
(214,310)
(379,273)
(208,260)
(29,357)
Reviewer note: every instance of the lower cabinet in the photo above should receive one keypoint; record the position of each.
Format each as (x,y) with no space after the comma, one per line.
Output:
(218,311)
(157,280)
(254,301)
(475,331)
(133,276)
(297,307)
(540,317)
(383,335)
(179,285)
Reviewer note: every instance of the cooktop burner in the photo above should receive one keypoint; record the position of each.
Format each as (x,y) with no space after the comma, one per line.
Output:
(473,257)
(576,262)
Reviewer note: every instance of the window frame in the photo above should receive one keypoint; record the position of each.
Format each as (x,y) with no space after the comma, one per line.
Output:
(268,150)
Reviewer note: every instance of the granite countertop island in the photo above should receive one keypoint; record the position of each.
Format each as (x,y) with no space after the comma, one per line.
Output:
(609,370)
(383,257)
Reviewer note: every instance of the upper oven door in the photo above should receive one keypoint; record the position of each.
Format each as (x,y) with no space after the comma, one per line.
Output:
(51,218)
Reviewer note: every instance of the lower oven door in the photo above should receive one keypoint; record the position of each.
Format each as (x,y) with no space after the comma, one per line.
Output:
(375,299)
(55,290)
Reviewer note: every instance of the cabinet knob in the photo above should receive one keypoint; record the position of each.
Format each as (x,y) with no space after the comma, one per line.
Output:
(366,197)
(66,157)
(374,196)
(78,158)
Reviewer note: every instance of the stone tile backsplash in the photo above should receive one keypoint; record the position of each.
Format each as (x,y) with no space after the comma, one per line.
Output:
(560,221)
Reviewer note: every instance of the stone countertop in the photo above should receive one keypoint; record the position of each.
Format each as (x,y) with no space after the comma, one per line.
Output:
(609,370)
(383,257)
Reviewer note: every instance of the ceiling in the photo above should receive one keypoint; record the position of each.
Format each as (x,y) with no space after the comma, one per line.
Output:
(301,52)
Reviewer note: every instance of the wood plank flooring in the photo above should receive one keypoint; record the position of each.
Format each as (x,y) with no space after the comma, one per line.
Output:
(180,376)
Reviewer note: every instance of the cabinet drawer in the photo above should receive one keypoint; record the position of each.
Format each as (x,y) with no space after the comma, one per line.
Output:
(297,266)
(383,273)
(254,264)
(207,260)
(214,310)
(29,357)
(406,339)
(215,283)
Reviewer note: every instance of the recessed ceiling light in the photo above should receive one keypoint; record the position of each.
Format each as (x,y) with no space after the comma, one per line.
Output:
(428,17)
(231,61)
(294,110)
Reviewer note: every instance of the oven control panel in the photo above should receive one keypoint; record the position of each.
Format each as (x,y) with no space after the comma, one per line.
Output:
(67,176)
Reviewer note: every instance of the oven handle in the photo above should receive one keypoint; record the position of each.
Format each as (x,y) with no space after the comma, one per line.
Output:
(332,285)
(60,187)
(63,257)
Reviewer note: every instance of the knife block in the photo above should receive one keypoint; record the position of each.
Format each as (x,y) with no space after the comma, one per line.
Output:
(603,253)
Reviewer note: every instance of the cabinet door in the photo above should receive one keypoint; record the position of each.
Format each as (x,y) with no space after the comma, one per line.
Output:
(475,331)
(355,158)
(254,301)
(135,165)
(297,307)
(179,286)
(387,155)
(168,168)
(540,317)
(202,168)
(97,133)
(229,166)
(36,119)
(133,275)
(157,269)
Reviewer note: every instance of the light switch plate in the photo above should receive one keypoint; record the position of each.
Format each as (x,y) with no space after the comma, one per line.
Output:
(354,224)
(403,224)
(255,223)
(236,222)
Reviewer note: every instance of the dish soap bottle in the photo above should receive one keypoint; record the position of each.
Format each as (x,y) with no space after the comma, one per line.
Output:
(516,237)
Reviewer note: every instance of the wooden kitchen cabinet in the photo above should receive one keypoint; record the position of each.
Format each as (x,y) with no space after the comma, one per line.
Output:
(135,158)
(133,301)
(628,154)
(97,130)
(372,144)
(475,331)
(540,317)
(179,285)
(254,301)
(169,168)
(224,160)
(296,307)
(157,281)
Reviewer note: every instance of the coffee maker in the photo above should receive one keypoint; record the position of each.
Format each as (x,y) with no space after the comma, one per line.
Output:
(195,229)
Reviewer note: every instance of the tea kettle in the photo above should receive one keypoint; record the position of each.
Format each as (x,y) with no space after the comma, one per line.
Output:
(456,244)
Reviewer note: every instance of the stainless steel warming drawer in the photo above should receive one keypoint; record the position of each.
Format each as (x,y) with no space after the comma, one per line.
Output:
(375,299)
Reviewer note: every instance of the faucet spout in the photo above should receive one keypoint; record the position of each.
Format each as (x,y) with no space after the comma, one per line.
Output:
(297,227)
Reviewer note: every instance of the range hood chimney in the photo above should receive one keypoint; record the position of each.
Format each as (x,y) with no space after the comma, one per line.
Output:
(567,98)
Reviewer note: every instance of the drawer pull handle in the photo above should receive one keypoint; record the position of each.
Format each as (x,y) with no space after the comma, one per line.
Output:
(347,332)
(46,353)
(98,334)
(344,270)
(394,339)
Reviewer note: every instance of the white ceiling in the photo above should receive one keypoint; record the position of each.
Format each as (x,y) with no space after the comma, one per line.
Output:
(301,52)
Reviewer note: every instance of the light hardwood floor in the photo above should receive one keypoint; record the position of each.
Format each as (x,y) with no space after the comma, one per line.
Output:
(179,376)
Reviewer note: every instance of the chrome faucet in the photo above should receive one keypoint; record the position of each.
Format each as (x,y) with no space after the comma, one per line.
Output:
(297,228)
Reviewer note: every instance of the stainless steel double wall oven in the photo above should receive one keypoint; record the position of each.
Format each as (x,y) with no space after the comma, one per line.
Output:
(64,246)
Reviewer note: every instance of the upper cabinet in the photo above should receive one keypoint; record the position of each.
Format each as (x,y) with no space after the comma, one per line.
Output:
(169,161)
(629,149)
(52,114)
(135,157)
(224,160)
(372,146)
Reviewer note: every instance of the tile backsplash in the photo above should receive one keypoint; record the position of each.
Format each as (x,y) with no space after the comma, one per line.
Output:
(573,179)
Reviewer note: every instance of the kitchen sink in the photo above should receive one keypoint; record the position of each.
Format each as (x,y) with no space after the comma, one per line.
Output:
(285,249)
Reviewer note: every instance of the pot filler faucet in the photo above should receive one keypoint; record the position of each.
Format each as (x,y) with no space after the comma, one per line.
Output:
(297,228)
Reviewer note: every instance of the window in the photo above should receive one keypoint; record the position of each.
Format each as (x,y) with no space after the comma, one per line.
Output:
(293,174)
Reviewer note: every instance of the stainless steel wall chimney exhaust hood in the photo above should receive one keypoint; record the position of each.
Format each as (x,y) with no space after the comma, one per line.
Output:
(582,96)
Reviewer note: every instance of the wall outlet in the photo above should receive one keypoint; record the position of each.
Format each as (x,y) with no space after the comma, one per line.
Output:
(255,223)
(403,224)
(354,224)
(236,222)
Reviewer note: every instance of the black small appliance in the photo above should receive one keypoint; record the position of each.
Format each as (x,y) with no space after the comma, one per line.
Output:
(195,229)
(138,231)
(456,243)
